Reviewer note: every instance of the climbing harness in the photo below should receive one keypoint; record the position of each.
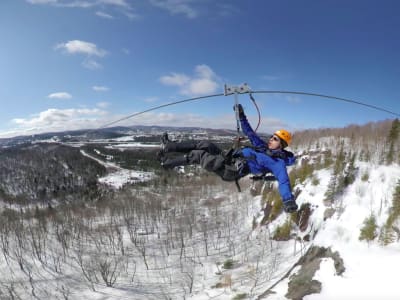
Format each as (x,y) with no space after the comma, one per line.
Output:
(238,163)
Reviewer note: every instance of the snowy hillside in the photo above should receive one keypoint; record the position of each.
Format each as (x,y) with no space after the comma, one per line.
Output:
(219,254)
(370,268)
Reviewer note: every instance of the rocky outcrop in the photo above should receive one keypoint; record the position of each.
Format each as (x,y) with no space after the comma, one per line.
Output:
(302,283)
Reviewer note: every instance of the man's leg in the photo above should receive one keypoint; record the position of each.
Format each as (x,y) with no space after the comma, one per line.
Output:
(208,147)
(204,153)
(209,162)
(213,163)
(188,146)
(170,146)
(172,162)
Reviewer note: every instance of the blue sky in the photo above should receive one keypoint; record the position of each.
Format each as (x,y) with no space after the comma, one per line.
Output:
(69,64)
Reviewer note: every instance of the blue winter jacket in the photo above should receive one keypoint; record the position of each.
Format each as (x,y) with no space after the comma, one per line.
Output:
(260,163)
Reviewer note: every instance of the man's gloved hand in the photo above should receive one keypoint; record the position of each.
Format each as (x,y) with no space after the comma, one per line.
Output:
(290,206)
(239,109)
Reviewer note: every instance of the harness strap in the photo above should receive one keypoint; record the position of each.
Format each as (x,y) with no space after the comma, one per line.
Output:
(238,185)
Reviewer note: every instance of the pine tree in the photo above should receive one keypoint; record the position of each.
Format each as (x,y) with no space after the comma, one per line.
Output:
(387,235)
(368,231)
(391,140)
(350,172)
(336,182)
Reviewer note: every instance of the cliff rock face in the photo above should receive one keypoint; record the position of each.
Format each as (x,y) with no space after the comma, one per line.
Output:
(302,283)
(43,172)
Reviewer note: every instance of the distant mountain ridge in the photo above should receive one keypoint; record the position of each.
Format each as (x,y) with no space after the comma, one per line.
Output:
(106,133)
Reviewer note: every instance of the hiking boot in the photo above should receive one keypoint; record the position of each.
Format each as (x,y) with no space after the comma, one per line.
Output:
(170,163)
(164,140)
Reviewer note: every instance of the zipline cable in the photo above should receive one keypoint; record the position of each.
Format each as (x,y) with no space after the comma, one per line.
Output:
(329,97)
(255,92)
(160,106)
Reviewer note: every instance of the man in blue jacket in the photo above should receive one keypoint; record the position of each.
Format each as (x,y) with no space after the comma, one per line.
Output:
(262,158)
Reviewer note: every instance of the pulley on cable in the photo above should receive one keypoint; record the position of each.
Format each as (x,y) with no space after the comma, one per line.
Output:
(236,90)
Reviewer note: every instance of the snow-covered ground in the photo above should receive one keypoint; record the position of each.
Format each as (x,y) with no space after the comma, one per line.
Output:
(121,177)
(132,145)
(371,269)
(221,231)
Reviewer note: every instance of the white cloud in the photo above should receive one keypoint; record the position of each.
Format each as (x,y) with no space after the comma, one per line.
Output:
(86,118)
(226,9)
(60,95)
(91,64)
(203,82)
(98,88)
(83,3)
(188,120)
(151,99)
(104,15)
(226,121)
(187,8)
(42,1)
(103,104)
(81,47)
(59,120)
(176,7)
(293,99)
(132,16)
(175,79)
(120,3)
(120,6)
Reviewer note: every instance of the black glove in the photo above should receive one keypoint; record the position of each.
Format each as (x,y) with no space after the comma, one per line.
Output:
(240,111)
(290,206)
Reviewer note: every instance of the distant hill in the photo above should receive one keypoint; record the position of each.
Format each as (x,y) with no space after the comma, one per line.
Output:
(106,133)
(43,172)
(377,142)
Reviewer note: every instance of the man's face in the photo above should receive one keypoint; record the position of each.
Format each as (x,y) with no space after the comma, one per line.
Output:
(274,142)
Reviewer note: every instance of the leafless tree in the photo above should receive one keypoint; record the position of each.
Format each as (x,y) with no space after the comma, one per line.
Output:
(110,268)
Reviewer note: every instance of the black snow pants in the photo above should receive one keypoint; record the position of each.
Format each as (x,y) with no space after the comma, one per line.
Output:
(206,154)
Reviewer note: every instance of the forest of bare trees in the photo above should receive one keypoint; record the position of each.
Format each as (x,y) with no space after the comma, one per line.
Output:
(376,142)
(154,240)
(164,239)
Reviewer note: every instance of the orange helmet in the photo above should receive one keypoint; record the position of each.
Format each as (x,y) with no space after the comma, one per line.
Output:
(285,137)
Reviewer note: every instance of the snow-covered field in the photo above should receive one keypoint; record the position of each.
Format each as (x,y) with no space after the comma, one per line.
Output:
(132,145)
(121,177)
